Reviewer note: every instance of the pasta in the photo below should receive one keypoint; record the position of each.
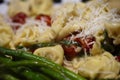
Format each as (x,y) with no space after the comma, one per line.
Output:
(89,24)
(83,37)
(41,7)
(32,34)
(20,6)
(54,53)
(30,7)
(6,34)
(65,20)
(113,30)
(68,28)
(97,66)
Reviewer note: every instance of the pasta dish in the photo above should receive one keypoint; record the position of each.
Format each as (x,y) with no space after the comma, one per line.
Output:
(82,37)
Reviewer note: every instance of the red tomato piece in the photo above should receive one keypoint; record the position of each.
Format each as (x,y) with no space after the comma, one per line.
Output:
(69,51)
(85,42)
(22,15)
(15,28)
(19,18)
(118,58)
(45,18)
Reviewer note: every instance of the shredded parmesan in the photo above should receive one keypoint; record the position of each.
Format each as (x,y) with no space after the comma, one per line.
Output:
(97,18)
(32,22)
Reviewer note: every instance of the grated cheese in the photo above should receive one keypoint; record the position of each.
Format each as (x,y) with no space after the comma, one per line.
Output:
(97,18)
(29,22)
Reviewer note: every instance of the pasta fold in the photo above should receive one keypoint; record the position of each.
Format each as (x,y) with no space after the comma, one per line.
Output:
(65,19)
(6,34)
(30,7)
(101,66)
(113,31)
(32,34)
(54,53)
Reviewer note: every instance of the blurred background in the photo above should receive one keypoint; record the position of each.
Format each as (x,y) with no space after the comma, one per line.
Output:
(56,1)
(3,4)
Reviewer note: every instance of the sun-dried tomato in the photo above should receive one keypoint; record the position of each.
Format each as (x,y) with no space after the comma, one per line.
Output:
(69,51)
(45,18)
(15,28)
(19,18)
(118,58)
(86,42)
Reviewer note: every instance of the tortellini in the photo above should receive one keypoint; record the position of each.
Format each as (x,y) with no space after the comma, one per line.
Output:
(30,7)
(73,17)
(101,66)
(97,49)
(32,34)
(17,6)
(68,29)
(87,19)
(6,34)
(41,7)
(65,19)
(114,4)
(54,53)
(113,31)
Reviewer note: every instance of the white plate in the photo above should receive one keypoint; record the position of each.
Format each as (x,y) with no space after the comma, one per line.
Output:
(3,8)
